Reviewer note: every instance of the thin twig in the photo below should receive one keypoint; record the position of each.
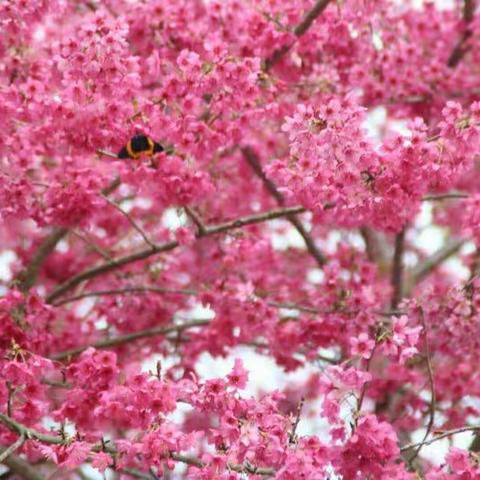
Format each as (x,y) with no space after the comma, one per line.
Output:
(12,448)
(126,290)
(299,30)
(106,153)
(363,392)
(131,220)
(130,337)
(167,246)
(424,268)
(442,435)
(294,306)
(397,270)
(10,396)
(196,219)
(444,196)
(104,254)
(140,113)
(293,433)
(432,406)
(254,162)
(326,311)
(133,472)
(56,384)
(182,291)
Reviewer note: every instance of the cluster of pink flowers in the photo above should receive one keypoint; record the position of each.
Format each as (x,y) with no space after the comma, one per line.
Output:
(338,172)
(279,220)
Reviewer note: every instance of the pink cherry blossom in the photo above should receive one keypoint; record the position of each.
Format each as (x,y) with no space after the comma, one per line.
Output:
(363,345)
(303,214)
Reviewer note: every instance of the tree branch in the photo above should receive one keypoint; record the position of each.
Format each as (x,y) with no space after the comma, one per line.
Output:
(375,247)
(126,290)
(22,468)
(143,254)
(106,153)
(130,337)
(137,473)
(28,277)
(28,432)
(445,434)
(103,253)
(293,433)
(451,247)
(444,196)
(254,162)
(432,405)
(189,460)
(12,448)
(397,270)
(299,30)
(131,220)
(196,219)
(363,392)
(459,50)
(310,17)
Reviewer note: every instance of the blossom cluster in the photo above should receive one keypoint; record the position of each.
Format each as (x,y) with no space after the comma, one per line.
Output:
(279,222)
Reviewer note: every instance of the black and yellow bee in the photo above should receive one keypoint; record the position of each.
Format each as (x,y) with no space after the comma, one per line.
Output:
(138,145)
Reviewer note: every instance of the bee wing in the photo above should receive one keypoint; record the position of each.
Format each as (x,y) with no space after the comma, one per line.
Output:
(123,153)
(157,148)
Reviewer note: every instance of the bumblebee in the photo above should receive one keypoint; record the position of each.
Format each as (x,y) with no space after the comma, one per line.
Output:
(138,145)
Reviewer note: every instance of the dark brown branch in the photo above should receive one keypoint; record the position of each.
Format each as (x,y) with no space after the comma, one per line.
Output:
(475,445)
(310,17)
(375,247)
(468,10)
(167,246)
(130,337)
(397,270)
(254,162)
(108,267)
(299,30)
(196,219)
(29,276)
(459,50)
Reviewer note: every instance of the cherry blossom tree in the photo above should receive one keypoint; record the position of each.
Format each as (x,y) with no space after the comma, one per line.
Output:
(303,150)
